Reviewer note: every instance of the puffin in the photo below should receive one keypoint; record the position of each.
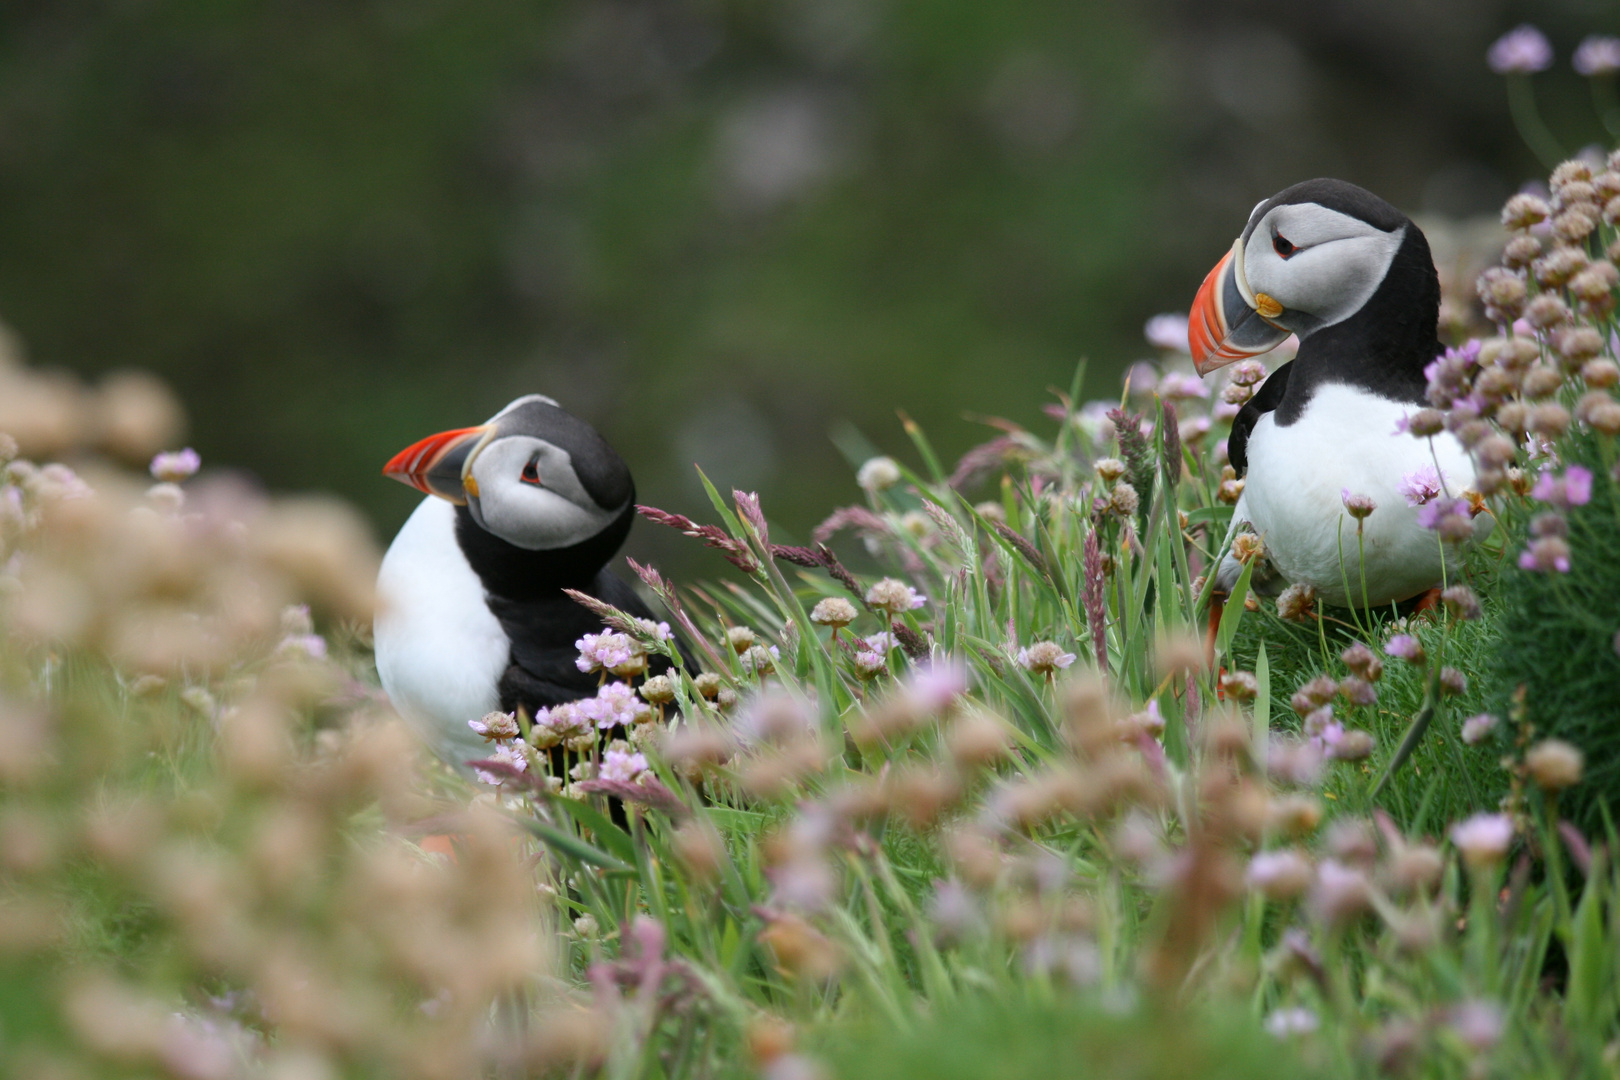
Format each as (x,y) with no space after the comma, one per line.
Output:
(472,617)
(1352,277)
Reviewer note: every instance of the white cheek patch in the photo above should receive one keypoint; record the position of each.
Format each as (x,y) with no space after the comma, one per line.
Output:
(1339,264)
(556,513)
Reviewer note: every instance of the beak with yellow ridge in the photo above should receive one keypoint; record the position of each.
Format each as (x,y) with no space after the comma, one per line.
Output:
(442,464)
(1228,322)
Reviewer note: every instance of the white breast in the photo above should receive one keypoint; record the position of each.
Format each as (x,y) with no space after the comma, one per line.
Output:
(440,653)
(1346,440)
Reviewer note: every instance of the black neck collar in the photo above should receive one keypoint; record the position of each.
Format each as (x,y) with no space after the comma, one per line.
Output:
(515,573)
(1384,347)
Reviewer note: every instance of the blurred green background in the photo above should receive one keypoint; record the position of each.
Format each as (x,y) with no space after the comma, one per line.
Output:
(717,230)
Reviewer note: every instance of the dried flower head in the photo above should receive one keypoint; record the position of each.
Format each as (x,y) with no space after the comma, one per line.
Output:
(878,473)
(1044,658)
(658,690)
(1524,210)
(894,596)
(1575,224)
(1600,374)
(1296,602)
(834,611)
(1461,602)
(1554,269)
(1546,312)
(1240,685)
(1123,500)
(1554,765)
(1247,547)
(1109,469)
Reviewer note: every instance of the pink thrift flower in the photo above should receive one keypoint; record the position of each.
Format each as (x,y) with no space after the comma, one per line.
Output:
(1483,839)
(1545,555)
(1597,55)
(1287,1023)
(1181,386)
(1574,488)
(1357,506)
(869,664)
(1479,1024)
(615,704)
(311,645)
(1420,486)
(1279,875)
(507,754)
(622,765)
(1405,647)
(1451,518)
(497,726)
(880,642)
(1524,50)
(1167,332)
(173,466)
(604,650)
(1476,728)
(935,686)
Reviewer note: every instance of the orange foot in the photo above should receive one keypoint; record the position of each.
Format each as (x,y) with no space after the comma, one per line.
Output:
(1429,601)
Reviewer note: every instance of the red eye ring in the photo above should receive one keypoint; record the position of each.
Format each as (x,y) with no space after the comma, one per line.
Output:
(1281,245)
(531,474)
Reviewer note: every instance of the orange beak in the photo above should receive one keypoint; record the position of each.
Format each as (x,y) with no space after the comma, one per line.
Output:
(437,465)
(1223,326)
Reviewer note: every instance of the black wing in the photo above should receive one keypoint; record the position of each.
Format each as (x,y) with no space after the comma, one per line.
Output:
(542,671)
(1266,400)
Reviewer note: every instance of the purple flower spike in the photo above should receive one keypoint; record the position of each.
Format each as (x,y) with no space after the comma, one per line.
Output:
(1524,50)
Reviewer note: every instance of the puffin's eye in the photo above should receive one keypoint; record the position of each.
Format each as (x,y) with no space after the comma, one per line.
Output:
(531,474)
(1280,244)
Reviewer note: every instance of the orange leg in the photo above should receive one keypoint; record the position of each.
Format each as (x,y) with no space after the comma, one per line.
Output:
(1217,605)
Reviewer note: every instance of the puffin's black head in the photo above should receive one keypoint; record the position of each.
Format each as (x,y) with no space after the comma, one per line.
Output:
(535,476)
(1311,257)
